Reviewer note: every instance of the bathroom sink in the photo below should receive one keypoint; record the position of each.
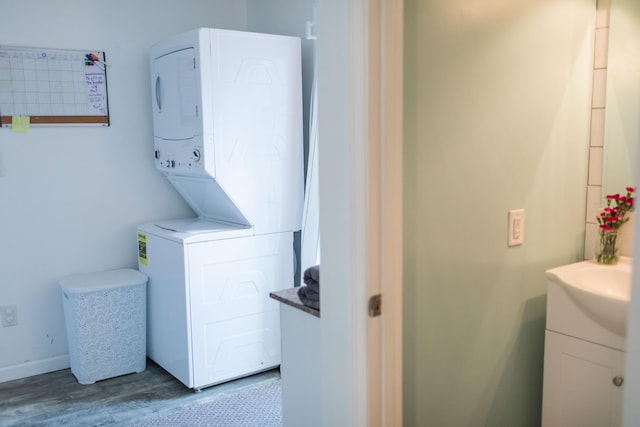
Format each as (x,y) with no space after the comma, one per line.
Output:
(601,291)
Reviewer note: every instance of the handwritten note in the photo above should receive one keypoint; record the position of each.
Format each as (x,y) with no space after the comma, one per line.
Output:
(97,91)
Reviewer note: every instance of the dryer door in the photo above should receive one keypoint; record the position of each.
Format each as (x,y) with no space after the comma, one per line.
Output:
(174,89)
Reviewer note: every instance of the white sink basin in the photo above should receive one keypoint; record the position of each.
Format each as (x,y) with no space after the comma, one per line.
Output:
(601,291)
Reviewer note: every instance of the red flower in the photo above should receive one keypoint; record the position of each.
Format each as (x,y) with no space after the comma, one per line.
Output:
(613,217)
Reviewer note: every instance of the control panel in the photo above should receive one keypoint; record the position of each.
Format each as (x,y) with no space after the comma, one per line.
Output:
(181,157)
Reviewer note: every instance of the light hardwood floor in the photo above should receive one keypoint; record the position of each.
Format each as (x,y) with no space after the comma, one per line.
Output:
(57,399)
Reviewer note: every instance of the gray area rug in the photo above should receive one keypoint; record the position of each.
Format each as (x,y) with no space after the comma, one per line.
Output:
(256,405)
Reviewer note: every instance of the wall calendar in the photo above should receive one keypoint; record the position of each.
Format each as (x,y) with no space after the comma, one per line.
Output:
(53,87)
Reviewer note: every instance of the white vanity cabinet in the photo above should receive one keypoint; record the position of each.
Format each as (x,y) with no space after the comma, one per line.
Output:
(585,345)
(300,371)
(582,383)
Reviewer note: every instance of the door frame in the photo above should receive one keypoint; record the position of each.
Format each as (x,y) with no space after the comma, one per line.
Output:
(359,54)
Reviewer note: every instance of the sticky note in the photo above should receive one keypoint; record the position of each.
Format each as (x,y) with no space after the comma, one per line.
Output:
(20,123)
(142,248)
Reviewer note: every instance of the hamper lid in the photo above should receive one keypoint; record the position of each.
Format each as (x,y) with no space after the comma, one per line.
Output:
(109,279)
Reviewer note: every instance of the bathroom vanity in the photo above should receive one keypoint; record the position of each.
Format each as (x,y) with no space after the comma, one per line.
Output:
(585,343)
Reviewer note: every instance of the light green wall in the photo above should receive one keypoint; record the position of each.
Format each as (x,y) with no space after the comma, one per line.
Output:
(622,119)
(497,106)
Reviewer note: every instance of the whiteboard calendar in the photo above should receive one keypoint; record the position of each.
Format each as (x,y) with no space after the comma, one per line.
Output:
(53,86)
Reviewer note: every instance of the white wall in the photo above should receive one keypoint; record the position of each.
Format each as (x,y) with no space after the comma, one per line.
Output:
(71,197)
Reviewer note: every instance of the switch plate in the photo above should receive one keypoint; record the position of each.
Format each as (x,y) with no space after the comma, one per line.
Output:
(516,227)
(9,315)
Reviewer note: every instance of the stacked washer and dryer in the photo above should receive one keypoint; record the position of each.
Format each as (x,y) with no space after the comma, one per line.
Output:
(227,122)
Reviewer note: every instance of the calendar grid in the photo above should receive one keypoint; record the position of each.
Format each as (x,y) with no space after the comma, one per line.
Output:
(53,86)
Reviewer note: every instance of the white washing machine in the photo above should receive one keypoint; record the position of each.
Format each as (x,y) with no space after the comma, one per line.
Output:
(228,136)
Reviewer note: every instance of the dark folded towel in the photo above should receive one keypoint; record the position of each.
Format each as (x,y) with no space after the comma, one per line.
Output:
(309,297)
(310,294)
(311,278)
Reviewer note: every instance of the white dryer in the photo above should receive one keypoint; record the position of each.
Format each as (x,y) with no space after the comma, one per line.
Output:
(227,122)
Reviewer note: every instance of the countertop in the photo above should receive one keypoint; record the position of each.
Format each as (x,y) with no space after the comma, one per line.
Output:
(291,298)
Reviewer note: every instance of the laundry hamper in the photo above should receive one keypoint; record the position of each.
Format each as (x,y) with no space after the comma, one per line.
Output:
(106,315)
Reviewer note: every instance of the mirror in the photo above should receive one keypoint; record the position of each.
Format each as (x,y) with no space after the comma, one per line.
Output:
(622,112)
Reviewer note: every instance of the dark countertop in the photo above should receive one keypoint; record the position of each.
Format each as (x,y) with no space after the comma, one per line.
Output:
(290,297)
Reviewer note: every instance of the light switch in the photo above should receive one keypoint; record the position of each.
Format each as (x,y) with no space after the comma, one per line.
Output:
(2,173)
(516,227)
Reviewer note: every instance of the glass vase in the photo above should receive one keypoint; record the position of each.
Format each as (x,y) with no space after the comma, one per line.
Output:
(607,249)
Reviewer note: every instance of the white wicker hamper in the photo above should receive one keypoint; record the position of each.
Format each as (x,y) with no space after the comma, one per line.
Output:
(106,317)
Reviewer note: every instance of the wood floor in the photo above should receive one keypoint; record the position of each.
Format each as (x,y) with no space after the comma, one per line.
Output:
(57,399)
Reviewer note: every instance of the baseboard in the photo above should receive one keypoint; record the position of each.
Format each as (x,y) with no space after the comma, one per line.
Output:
(37,367)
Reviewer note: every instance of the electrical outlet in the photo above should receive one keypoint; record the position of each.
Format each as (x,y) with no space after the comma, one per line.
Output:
(9,315)
(516,227)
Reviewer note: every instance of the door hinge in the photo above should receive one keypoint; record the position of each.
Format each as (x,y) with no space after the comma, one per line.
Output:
(375,305)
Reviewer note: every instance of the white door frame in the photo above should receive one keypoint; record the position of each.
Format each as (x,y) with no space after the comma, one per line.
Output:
(360,132)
